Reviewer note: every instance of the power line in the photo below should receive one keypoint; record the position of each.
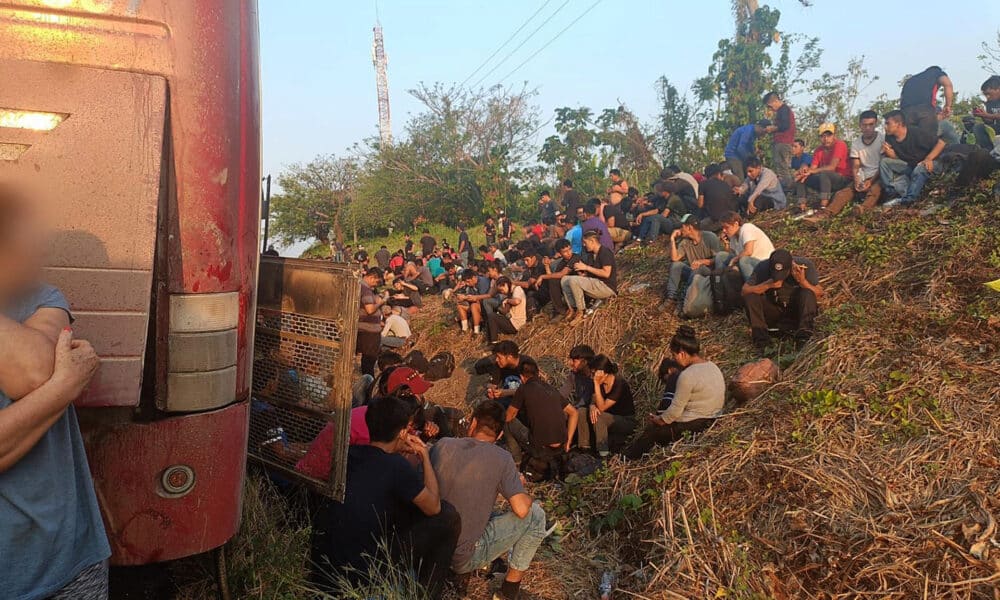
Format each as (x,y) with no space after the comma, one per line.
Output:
(549,43)
(504,45)
(519,46)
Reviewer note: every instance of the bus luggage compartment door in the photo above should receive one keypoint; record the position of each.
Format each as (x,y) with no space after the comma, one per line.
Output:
(89,142)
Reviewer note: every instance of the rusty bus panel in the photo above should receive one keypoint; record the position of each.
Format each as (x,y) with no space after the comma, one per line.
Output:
(305,336)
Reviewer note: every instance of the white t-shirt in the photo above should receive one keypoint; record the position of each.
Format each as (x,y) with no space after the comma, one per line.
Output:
(868,154)
(396,326)
(690,179)
(518,314)
(749,232)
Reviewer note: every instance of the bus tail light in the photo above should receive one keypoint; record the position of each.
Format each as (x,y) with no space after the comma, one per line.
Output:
(202,352)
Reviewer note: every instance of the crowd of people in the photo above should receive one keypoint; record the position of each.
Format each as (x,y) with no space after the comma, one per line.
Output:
(565,267)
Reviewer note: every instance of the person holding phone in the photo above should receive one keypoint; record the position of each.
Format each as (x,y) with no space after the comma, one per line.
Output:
(782,293)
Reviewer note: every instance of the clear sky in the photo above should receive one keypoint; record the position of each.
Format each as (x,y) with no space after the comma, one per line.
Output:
(319,82)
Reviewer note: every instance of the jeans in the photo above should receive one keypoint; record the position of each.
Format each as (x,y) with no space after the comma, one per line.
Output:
(782,154)
(391,341)
(653,225)
(895,176)
(508,533)
(763,312)
(918,178)
(577,289)
(662,435)
(600,432)
(746,264)
(369,344)
(826,183)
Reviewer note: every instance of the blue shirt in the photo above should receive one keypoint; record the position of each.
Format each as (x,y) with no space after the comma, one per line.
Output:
(806,160)
(575,237)
(434,266)
(741,143)
(50,524)
(483,285)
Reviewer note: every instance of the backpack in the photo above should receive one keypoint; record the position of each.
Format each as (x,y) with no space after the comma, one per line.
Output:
(417,361)
(727,291)
(441,366)
(698,298)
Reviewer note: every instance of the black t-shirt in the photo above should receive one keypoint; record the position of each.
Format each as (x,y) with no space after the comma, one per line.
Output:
(490,231)
(541,407)
(915,147)
(719,198)
(360,256)
(615,211)
(427,244)
(783,295)
(603,258)
(559,264)
(463,242)
(782,119)
(571,201)
(408,247)
(621,393)
(381,488)
(921,89)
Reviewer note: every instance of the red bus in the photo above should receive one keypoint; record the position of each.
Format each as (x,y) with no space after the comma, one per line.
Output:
(142,119)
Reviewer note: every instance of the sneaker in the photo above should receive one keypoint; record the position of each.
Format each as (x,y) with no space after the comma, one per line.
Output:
(593,307)
(894,203)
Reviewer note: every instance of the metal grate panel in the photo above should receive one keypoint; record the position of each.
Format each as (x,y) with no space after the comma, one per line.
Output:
(306,328)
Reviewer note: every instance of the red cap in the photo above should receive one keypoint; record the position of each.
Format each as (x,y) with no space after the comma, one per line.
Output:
(410,378)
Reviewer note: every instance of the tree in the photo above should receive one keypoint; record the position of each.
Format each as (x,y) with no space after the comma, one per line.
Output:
(673,124)
(835,101)
(572,152)
(990,58)
(463,154)
(743,69)
(313,199)
(626,145)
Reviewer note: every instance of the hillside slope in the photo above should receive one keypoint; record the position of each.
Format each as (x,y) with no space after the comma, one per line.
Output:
(871,470)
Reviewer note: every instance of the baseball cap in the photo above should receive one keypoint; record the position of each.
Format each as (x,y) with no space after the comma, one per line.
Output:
(781,265)
(764,123)
(688,218)
(827,127)
(410,378)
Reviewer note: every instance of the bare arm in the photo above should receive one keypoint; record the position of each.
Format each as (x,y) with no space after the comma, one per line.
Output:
(949,95)
(520,504)
(429,499)
(27,350)
(23,423)
(571,419)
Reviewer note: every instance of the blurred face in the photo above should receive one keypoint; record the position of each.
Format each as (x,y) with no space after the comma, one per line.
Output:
(22,244)
(566,253)
(730,229)
(797,149)
(591,244)
(580,215)
(503,289)
(868,127)
(577,365)
(753,172)
(774,104)
(828,139)
(688,231)
(616,178)
(992,95)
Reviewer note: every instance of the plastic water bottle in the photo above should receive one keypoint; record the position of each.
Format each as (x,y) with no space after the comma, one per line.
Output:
(607,585)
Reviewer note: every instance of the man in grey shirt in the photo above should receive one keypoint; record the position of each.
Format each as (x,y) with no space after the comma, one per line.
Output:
(762,189)
(471,473)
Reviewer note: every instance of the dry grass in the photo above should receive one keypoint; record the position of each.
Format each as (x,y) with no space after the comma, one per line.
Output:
(870,471)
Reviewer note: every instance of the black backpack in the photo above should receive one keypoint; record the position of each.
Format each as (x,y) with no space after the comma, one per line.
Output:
(441,366)
(417,361)
(727,291)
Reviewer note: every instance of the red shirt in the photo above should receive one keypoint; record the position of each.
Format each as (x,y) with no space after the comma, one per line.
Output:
(823,157)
